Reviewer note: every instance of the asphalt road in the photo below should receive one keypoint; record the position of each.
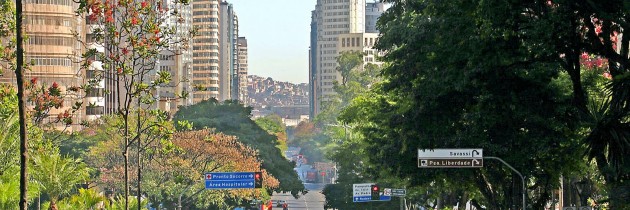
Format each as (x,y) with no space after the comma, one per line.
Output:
(313,200)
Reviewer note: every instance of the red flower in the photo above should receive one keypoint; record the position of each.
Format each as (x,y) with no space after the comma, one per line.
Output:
(34,81)
(144,4)
(607,75)
(55,85)
(125,51)
(119,70)
(584,55)
(134,20)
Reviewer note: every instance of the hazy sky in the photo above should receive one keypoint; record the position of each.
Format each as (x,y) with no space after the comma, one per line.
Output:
(277,33)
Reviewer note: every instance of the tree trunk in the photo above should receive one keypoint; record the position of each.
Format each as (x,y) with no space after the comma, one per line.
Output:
(21,107)
(463,200)
(53,205)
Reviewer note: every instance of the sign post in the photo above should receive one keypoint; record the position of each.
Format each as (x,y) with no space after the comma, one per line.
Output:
(450,158)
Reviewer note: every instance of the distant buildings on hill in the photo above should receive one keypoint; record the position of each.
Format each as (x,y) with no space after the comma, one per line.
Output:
(288,100)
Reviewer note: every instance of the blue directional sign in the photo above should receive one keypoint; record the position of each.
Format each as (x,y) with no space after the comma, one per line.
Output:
(361,193)
(230,180)
(358,199)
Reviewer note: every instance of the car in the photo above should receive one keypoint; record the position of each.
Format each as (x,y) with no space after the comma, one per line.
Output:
(278,203)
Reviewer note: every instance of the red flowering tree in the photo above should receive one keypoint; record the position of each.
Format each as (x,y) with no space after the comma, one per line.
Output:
(132,34)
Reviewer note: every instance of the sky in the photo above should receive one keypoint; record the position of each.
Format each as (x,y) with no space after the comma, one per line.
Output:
(277,33)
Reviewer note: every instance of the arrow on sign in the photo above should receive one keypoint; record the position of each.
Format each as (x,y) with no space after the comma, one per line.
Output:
(475,162)
(475,152)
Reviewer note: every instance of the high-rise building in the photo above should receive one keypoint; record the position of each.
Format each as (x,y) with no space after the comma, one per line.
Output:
(228,51)
(329,21)
(205,50)
(242,70)
(177,59)
(312,67)
(372,12)
(52,49)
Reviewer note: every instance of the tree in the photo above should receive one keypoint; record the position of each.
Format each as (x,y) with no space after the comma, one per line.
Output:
(205,151)
(9,144)
(460,76)
(133,34)
(57,175)
(273,125)
(348,62)
(232,118)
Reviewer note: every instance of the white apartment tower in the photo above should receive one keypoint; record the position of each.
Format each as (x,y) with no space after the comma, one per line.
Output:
(228,50)
(177,59)
(330,20)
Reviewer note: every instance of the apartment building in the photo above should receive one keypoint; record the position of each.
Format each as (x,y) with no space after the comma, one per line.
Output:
(52,50)
(205,67)
(177,59)
(330,20)
(228,50)
(242,70)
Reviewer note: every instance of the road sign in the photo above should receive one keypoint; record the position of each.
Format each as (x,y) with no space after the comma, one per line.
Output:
(362,193)
(450,158)
(399,192)
(230,180)
(450,153)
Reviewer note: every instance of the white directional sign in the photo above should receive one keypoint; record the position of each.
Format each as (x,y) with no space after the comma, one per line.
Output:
(362,192)
(450,158)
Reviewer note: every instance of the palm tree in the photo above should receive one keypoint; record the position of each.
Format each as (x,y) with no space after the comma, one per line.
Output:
(57,175)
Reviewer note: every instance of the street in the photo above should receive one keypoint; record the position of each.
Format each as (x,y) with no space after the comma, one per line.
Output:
(313,200)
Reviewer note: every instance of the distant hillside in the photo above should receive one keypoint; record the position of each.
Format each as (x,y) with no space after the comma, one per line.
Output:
(265,92)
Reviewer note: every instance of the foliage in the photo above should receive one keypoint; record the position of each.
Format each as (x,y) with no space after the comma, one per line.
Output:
(232,118)
(85,199)
(57,175)
(133,34)
(7,36)
(484,85)
(203,151)
(348,62)
(9,149)
(273,125)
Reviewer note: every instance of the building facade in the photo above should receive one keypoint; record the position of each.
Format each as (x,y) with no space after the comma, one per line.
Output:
(205,67)
(177,59)
(52,50)
(228,42)
(242,70)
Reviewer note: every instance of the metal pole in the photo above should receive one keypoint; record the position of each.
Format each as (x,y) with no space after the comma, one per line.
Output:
(515,171)
(179,201)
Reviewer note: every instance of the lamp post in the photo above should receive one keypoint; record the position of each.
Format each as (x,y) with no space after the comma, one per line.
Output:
(515,171)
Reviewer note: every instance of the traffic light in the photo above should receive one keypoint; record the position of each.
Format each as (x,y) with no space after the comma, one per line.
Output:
(376,195)
(258,179)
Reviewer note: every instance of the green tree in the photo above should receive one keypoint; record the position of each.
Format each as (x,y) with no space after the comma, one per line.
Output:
(460,76)
(57,175)
(232,118)
(273,125)
(348,62)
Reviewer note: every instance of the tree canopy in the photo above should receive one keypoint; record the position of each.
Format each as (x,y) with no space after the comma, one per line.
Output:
(232,118)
